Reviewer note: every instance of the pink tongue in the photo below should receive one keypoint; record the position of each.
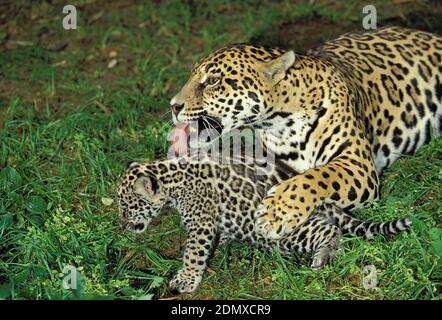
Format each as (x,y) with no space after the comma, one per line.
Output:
(180,136)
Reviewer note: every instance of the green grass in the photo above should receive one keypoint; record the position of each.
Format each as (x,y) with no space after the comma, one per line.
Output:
(68,123)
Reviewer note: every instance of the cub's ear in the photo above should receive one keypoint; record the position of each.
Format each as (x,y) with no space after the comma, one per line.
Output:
(130,164)
(146,186)
(276,69)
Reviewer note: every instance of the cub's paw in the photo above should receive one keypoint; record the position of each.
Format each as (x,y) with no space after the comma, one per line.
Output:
(325,253)
(321,258)
(184,282)
(223,240)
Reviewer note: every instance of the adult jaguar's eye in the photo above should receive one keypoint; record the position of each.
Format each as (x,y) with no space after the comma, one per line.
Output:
(212,81)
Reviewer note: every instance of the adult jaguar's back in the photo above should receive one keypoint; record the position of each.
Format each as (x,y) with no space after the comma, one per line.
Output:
(399,71)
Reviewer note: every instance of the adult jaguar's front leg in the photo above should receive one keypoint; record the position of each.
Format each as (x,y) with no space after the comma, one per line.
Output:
(345,182)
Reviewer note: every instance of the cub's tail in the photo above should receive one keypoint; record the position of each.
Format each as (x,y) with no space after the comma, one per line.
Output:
(354,226)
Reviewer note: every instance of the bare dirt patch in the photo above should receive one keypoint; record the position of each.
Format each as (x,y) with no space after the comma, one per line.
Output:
(303,34)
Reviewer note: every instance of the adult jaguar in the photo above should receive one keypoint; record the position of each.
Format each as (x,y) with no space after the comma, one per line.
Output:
(339,115)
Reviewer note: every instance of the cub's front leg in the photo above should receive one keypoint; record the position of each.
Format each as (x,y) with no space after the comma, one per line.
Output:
(345,182)
(199,243)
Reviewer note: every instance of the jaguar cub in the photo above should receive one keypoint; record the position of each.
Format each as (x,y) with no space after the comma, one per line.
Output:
(217,202)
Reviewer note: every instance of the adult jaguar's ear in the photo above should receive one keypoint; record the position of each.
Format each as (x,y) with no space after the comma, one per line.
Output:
(276,69)
(146,186)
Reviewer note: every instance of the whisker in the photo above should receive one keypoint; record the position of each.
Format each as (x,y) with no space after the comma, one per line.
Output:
(208,126)
(164,115)
(211,129)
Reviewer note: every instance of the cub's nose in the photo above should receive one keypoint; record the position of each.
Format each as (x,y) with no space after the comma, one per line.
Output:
(135,227)
(177,108)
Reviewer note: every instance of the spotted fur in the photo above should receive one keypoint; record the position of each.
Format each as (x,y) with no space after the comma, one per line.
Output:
(218,202)
(339,115)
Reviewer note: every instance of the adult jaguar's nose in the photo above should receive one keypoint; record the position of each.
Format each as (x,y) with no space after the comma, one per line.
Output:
(177,108)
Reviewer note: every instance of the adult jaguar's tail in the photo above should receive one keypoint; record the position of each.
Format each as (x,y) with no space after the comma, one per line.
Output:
(354,226)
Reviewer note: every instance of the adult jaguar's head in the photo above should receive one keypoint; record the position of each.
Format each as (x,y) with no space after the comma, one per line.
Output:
(141,197)
(232,87)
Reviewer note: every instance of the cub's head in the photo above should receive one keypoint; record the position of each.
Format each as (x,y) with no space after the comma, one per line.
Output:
(231,87)
(140,197)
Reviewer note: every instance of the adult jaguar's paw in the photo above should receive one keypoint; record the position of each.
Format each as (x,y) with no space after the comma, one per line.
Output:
(274,218)
(269,225)
(184,282)
(281,211)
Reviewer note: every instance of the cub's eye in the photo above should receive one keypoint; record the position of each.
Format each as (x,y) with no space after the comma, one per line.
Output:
(211,81)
